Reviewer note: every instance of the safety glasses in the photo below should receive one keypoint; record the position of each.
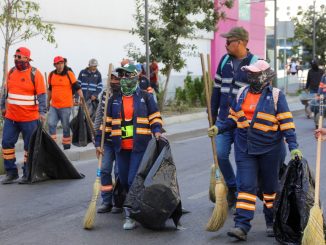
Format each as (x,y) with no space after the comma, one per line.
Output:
(18,57)
(228,42)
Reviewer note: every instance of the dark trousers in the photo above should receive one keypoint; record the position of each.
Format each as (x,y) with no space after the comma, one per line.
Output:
(248,168)
(128,164)
(11,131)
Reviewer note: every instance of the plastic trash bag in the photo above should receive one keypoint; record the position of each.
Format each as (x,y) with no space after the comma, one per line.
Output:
(81,132)
(154,195)
(46,160)
(293,202)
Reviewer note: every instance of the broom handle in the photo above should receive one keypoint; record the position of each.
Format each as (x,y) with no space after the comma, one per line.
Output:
(320,125)
(209,74)
(104,114)
(208,102)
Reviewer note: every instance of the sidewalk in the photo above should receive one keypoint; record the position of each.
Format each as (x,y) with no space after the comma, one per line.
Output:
(177,127)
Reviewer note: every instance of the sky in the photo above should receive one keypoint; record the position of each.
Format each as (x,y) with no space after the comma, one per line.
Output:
(287,9)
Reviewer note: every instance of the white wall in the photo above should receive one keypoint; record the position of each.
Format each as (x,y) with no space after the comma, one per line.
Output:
(95,29)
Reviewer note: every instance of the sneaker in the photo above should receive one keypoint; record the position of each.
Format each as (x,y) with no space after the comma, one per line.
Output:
(116,210)
(270,231)
(237,233)
(232,197)
(104,208)
(129,224)
(66,147)
(23,180)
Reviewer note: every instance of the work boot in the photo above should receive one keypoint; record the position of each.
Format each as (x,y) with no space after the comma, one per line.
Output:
(23,180)
(104,208)
(129,223)
(116,210)
(66,147)
(232,197)
(270,231)
(237,233)
(9,179)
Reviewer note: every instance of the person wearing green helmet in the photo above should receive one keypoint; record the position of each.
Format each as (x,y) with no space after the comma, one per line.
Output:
(133,119)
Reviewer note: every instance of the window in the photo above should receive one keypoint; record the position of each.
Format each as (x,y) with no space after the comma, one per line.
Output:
(244,10)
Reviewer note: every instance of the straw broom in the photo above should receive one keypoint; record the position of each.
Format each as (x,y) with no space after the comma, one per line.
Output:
(314,233)
(91,211)
(220,211)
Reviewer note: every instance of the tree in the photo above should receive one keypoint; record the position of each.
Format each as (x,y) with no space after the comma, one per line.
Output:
(303,33)
(170,23)
(19,21)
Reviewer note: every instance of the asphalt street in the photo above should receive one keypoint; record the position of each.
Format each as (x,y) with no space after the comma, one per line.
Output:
(51,212)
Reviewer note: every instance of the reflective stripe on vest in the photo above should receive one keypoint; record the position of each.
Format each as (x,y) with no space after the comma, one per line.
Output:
(20,99)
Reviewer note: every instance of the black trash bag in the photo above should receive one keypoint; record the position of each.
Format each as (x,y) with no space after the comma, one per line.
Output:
(81,132)
(293,202)
(154,195)
(92,106)
(46,160)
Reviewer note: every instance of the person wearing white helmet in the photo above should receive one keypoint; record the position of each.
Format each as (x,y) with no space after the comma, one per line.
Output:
(261,118)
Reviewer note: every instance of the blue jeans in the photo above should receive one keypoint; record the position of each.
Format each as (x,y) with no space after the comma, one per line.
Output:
(128,164)
(223,147)
(62,114)
(106,174)
(11,131)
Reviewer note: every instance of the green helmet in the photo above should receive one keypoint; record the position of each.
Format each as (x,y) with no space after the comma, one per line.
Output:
(128,85)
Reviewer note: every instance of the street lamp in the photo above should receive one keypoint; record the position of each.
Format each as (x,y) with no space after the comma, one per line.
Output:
(147,38)
(314,32)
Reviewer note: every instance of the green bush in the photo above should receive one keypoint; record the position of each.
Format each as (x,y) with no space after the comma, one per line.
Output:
(193,93)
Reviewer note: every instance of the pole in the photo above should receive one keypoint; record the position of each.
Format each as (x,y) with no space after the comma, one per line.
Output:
(147,39)
(275,41)
(285,73)
(314,33)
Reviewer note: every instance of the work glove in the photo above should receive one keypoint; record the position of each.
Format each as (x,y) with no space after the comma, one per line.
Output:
(296,153)
(212,131)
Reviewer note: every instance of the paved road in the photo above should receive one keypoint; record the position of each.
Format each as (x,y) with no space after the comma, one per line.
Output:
(51,212)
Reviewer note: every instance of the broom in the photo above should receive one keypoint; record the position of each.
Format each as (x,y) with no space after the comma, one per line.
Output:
(91,211)
(314,233)
(212,181)
(220,211)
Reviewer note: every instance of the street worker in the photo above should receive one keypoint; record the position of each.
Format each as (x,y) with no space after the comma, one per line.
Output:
(108,151)
(134,118)
(262,119)
(314,77)
(228,80)
(62,85)
(22,105)
(90,81)
(154,75)
(322,86)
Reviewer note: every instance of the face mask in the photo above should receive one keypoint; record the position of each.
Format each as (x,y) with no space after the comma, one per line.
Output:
(22,65)
(257,82)
(128,85)
(116,87)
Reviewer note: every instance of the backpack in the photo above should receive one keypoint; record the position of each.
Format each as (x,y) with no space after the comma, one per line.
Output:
(275,92)
(33,72)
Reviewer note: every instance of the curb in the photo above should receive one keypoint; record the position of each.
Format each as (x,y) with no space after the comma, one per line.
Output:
(88,152)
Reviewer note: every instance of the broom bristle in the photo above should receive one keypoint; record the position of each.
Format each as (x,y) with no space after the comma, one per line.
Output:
(89,218)
(314,232)
(220,211)
(212,184)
